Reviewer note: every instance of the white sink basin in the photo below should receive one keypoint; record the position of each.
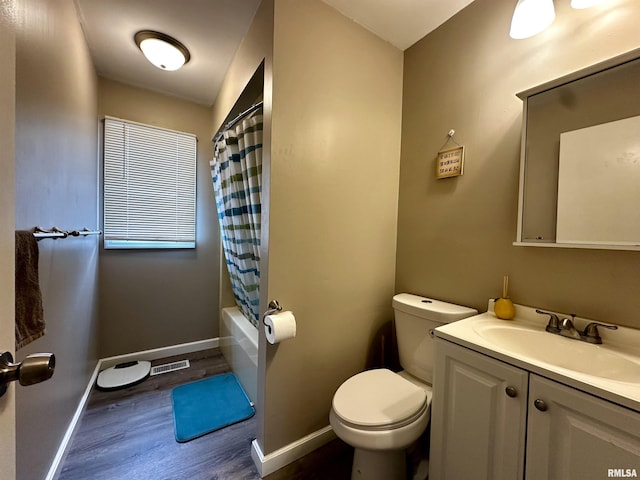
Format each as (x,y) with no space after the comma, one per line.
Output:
(595,360)
(610,371)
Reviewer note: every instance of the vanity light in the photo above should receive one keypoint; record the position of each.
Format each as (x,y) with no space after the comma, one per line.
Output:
(163,51)
(531,17)
(580,4)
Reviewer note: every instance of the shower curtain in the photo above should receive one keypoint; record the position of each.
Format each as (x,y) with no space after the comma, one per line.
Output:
(236,171)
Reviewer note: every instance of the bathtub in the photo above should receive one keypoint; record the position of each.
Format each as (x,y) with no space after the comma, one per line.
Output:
(239,346)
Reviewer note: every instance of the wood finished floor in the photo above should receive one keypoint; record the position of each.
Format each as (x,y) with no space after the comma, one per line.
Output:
(129,434)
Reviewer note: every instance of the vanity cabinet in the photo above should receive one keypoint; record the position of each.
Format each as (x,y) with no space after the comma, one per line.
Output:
(574,435)
(494,421)
(478,416)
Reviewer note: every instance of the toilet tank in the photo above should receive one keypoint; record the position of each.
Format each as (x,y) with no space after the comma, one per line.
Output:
(415,319)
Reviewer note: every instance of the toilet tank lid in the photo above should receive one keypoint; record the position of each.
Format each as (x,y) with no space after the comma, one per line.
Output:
(431,309)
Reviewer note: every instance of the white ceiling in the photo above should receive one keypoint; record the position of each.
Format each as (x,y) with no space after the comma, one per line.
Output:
(400,22)
(213,29)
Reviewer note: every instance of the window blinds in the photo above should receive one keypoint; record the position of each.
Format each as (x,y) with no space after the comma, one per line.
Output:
(149,186)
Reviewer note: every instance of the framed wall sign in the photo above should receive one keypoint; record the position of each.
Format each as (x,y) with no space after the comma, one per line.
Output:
(450,162)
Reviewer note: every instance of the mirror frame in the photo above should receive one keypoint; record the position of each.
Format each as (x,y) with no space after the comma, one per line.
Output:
(524,96)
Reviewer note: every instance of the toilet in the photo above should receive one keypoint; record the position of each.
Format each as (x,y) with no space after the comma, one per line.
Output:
(379,412)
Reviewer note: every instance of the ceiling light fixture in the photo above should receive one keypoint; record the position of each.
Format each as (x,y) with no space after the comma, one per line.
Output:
(531,17)
(163,51)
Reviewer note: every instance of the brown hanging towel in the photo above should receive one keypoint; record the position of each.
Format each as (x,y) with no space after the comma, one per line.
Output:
(30,323)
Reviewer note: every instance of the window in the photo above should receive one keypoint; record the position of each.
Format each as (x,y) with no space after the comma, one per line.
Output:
(149,186)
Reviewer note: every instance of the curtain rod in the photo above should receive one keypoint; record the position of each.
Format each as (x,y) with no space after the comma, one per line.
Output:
(230,124)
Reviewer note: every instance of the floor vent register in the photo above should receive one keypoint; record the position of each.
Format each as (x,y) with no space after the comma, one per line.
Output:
(169,367)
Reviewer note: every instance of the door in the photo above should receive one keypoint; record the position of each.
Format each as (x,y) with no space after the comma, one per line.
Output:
(7,226)
(478,416)
(572,435)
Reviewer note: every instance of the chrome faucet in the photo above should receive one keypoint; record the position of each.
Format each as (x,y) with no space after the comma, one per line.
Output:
(566,328)
(554,321)
(591,334)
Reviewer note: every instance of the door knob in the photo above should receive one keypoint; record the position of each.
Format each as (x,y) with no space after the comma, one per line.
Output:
(35,368)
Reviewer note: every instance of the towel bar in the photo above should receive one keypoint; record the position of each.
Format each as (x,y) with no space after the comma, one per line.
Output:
(56,233)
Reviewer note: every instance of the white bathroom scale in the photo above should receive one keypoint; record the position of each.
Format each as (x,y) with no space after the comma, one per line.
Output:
(123,375)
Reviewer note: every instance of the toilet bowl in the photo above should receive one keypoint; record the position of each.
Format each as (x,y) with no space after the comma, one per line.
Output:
(379,412)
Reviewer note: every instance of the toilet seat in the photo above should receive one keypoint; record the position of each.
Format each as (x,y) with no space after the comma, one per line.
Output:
(379,400)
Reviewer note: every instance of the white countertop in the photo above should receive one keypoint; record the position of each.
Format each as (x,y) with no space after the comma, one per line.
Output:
(623,341)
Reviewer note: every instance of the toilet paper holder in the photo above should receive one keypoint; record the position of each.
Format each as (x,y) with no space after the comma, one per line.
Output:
(273,307)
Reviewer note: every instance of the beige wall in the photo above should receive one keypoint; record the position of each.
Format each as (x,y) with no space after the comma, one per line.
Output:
(240,90)
(157,298)
(256,47)
(455,235)
(7,255)
(56,184)
(337,92)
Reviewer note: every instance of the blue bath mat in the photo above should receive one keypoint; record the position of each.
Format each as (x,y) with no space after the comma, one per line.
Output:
(208,405)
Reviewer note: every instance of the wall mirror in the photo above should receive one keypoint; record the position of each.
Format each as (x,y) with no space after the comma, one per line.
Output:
(580,159)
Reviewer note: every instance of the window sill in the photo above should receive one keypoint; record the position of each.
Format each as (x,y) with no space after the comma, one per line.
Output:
(150,245)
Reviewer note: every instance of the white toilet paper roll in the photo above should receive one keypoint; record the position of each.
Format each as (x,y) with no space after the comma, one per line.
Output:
(279,326)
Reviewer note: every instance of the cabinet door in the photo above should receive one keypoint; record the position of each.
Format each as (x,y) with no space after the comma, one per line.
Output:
(478,428)
(574,435)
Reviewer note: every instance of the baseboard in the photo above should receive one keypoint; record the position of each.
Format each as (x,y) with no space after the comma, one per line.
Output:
(267,464)
(108,362)
(56,465)
(162,352)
